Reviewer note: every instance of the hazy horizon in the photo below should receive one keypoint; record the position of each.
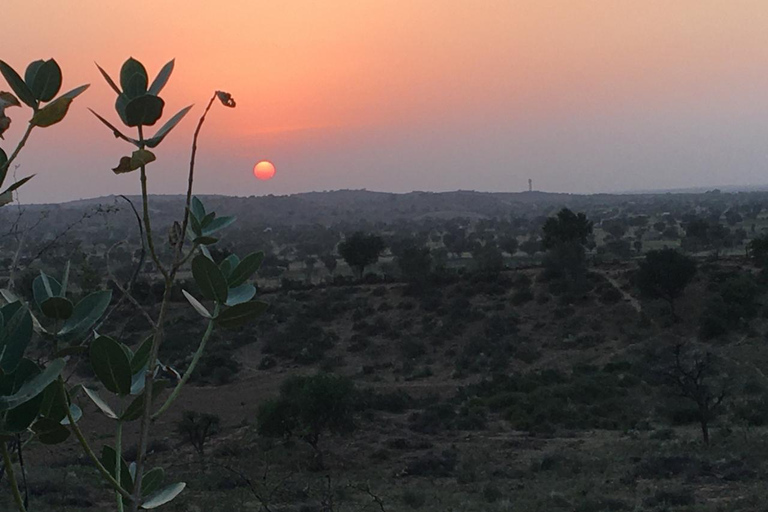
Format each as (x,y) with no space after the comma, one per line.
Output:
(581,97)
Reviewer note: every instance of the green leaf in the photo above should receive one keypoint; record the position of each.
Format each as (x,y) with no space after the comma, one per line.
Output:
(144,110)
(43,79)
(109,459)
(44,287)
(209,278)
(53,405)
(202,311)
(76,413)
(15,336)
(228,264)
(136,408)
(86,313)
(7,197)
(245,269)
(111,365)
(133,78)
(240,294)
(3,168)
(57,308)
(166,128)
(77,91)
(141,356)
(34,386)
(18,85)
(49,431)
(217,224)
(21,417)
(240,314)
(162,78)
(197,209)
(100,403)
(163,496)
(109,80)
(52,113)
(205,240)
(152,481)
(65,281)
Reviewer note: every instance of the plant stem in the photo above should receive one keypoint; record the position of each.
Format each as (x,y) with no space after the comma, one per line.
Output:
(12,478)
(118,460)
(88,451)
(148,224)
(190,369)
(146,417)
(7,165)
(178,261)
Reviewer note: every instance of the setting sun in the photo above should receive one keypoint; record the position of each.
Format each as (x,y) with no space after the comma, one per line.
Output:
(264,170)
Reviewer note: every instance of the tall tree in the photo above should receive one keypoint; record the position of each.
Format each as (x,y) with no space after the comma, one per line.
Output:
(361,250)
(665,274)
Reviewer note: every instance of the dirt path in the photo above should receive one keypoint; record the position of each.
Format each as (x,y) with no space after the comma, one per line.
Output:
(627,297)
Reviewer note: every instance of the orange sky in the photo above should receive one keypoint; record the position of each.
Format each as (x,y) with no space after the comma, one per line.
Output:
(399,95)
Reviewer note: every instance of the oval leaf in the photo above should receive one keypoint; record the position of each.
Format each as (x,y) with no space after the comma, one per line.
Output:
(17,84)
(100,403)
(133,78)
(86,313)
(202,311)
(240,294)
(163,496)
(52,113)
(44,79)
(144,110)
(34,386)
(209,278)
(241,313)
(111,365)
(245,269)
(57,308)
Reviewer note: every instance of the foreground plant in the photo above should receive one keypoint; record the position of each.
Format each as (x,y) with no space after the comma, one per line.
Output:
(37,403)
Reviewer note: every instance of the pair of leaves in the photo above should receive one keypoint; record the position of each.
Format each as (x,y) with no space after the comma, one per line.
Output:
(231,317)
(202,225)
(33,386)
(42,81)
(85,314)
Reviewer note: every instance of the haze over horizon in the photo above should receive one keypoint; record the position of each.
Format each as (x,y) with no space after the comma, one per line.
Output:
(580,96)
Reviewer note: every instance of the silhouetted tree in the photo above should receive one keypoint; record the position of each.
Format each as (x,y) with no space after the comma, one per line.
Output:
(309,407)
(664,274)
(361,250)
(565,228)
(758,251)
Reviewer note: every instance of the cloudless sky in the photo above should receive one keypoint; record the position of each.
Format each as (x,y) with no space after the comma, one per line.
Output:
(401,95)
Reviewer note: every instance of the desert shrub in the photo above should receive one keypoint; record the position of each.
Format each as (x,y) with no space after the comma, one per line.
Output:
(433,419)
(197,429)
(410,348)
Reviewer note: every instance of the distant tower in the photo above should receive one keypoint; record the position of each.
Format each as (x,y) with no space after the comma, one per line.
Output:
(530,185)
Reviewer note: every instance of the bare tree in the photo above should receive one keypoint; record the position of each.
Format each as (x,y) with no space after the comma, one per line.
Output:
(698,377)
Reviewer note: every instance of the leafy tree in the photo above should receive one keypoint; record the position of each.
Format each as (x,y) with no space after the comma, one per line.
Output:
(310,407)
(509,244)
(565,236)
(665,274)
(361,250)
(566,227)
(488,259)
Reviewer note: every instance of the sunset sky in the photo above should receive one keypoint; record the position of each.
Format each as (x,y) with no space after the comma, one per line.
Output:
(401,95)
